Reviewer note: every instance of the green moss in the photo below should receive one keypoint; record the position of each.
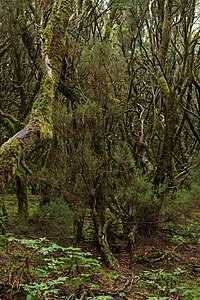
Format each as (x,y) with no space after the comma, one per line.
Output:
(39,128)
(166,33)
(9,155)
(48,32)
(55,38)
(163,86)
(42,105)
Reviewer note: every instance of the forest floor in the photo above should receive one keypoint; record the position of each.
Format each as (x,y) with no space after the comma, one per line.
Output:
(38,263)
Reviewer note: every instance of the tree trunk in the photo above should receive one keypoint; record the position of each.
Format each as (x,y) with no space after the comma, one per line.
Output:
(22,196)
(38,132)
(102,219)
(165,164)
(45,192)
(148,215)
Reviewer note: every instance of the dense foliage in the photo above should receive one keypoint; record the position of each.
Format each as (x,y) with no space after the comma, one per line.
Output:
(99,109)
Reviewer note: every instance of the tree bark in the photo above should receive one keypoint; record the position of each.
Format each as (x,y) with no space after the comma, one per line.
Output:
(22,196)
(165,164)
(102,220)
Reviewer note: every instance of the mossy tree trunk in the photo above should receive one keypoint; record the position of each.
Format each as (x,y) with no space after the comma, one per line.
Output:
(102,219)
(22,196)
(38,132)
(165,165)
(148,215)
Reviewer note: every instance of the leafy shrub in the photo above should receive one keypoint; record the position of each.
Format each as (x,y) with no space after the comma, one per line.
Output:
(54,220)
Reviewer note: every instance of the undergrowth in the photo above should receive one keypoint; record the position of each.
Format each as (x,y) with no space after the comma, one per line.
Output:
(34,269)
(40,269)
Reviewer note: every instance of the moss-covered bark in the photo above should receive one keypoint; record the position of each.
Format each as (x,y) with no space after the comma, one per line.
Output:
(39,130)
(165,164)
(22,196)
(102,219)
(148,215)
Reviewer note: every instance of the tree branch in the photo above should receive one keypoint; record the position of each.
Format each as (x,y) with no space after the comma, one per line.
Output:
(39,130)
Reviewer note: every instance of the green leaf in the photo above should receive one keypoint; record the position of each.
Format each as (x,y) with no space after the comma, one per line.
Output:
(29,297)
(73,269)
(84,277)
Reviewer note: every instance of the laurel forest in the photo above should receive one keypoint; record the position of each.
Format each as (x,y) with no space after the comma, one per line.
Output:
(99,148)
